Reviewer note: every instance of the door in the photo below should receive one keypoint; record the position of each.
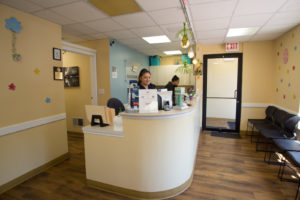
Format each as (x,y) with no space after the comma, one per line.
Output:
(222,92)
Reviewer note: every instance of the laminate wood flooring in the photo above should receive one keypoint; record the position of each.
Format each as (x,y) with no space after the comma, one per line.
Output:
(225,169)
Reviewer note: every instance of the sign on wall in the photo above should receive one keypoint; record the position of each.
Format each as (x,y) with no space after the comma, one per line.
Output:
(232,46)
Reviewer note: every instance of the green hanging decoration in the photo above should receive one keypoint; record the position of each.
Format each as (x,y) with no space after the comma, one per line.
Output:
(14,26)
(183,36)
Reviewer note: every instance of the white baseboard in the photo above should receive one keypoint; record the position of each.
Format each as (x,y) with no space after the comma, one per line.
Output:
(30,124)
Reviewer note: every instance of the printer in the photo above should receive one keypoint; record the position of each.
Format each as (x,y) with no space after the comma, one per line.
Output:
(164,99)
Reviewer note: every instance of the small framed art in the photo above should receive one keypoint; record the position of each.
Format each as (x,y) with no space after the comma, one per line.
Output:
(56,54)
(58,73)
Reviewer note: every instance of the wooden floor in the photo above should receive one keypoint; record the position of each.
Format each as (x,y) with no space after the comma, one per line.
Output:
(225,169)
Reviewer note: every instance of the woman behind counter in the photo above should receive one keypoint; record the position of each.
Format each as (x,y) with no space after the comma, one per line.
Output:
(144,81)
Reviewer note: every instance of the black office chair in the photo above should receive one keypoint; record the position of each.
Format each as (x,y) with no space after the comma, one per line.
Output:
(116,104)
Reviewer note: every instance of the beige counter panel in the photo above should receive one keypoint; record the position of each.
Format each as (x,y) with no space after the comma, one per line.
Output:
(155,154)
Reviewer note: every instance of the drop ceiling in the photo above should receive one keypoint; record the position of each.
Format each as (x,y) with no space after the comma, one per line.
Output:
(211,20)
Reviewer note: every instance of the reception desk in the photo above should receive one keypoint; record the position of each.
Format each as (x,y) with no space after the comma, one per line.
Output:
(152,158)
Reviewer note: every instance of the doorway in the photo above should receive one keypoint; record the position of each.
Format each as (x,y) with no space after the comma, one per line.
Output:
(222,88)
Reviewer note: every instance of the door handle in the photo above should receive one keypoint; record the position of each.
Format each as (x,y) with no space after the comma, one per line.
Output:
(235,93)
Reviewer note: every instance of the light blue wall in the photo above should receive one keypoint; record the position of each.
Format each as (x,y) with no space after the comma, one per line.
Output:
(121,57)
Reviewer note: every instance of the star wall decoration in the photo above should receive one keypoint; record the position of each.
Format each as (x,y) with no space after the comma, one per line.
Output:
(48,100)
(12,87)
(37,71)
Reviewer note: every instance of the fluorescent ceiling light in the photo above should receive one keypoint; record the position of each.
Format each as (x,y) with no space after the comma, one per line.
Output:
(157,39)
(176,52)
(234,32)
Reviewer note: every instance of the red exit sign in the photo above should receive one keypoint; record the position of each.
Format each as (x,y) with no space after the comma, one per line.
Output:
(232,46)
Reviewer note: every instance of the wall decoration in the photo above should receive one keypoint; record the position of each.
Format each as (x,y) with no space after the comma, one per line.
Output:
(294,68)
(14,26)
(283,96)
(281,44)
(12,87)
(277,90)
(293,35)
(277,53)
(279,67)
(48,100)
(289,84)
(287,71)
(294,96)
(71,76)
(295,47)
(37,71)
(58,73)
(56,54)
(281,80)
(285,56)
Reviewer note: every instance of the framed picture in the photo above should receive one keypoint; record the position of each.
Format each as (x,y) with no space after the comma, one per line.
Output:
(56,54)
(71,76)
(58,73)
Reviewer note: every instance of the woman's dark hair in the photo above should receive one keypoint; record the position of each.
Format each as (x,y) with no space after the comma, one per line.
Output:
(142,72)
(175,78)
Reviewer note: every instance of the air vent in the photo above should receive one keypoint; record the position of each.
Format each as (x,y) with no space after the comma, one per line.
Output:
(78,122)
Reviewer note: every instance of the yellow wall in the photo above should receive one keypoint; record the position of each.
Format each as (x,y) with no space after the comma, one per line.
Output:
(257,78)
(77,97)
(286,86)
(103,69)
(26,150)
(171,60)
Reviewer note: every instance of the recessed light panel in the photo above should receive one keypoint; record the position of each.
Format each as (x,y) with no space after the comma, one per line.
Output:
(157,39)
(176,52)
(234,32)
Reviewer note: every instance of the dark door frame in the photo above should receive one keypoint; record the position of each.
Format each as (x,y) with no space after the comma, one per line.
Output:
(239,91)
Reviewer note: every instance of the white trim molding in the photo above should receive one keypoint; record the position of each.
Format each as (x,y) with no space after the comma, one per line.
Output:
(75,48)
(31,124)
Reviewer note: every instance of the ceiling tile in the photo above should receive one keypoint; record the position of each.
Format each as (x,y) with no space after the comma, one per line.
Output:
(135,41)
(171,30)
(123,34)
(80,11)
(104,25)
(53,17)
(168,16)
(80,28)
(285,18)
(274,29)
(212,10)
(99,36)
(246,7)
(238,39)
(207,25)
(211,34)
(158,4)
(51,3)
(212,41)
(148,31)
(292,5)
(140,19)
(249,20)
(191,2)
(25,6)
(265,37)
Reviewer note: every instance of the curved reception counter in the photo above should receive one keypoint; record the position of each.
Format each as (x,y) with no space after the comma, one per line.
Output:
(152,158)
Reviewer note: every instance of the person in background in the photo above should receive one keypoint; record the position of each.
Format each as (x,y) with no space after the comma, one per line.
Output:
(144,81)
(171,86)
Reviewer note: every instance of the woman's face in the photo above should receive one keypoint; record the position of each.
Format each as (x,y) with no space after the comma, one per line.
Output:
(146,79)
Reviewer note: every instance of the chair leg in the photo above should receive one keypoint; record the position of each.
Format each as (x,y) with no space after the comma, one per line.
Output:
(296,197)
